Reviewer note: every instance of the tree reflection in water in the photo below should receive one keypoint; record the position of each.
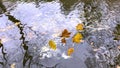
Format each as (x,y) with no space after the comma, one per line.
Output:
(29,40)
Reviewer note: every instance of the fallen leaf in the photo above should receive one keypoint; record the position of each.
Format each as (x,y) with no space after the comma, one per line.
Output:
(17,23)
(77,38)
(52,45)
(12,65)
(70,51)
(65,33)
(79,26)
(63,40)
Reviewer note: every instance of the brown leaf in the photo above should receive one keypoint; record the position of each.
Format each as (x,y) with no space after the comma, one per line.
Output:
(63,40)
(65,33)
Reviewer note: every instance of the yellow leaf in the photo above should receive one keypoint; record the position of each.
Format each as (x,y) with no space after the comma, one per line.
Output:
(77,38)
(79,27)
(70,51)
(52,45)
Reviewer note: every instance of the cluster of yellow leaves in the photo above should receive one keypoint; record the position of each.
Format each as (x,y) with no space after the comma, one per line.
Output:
(70,51)
(52,45)
(77,38)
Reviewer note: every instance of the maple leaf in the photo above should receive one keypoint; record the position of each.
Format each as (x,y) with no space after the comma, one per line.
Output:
(70,51)
(65,33)
(79,26)
(52,45)
(63,40)
(77,38)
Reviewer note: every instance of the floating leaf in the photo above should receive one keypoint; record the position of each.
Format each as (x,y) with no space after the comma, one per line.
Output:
(52,45)
(65,33)
(12,65)
(77,38)
(79,27)
(63,40)
(17,23)
(70,51)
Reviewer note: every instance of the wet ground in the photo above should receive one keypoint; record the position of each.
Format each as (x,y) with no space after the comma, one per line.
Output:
(26,26)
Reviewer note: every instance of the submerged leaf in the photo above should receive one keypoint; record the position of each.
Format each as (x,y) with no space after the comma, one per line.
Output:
(79,26)
(63,40)
(77,38)
(65,33)
(70,51)
(52,45)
